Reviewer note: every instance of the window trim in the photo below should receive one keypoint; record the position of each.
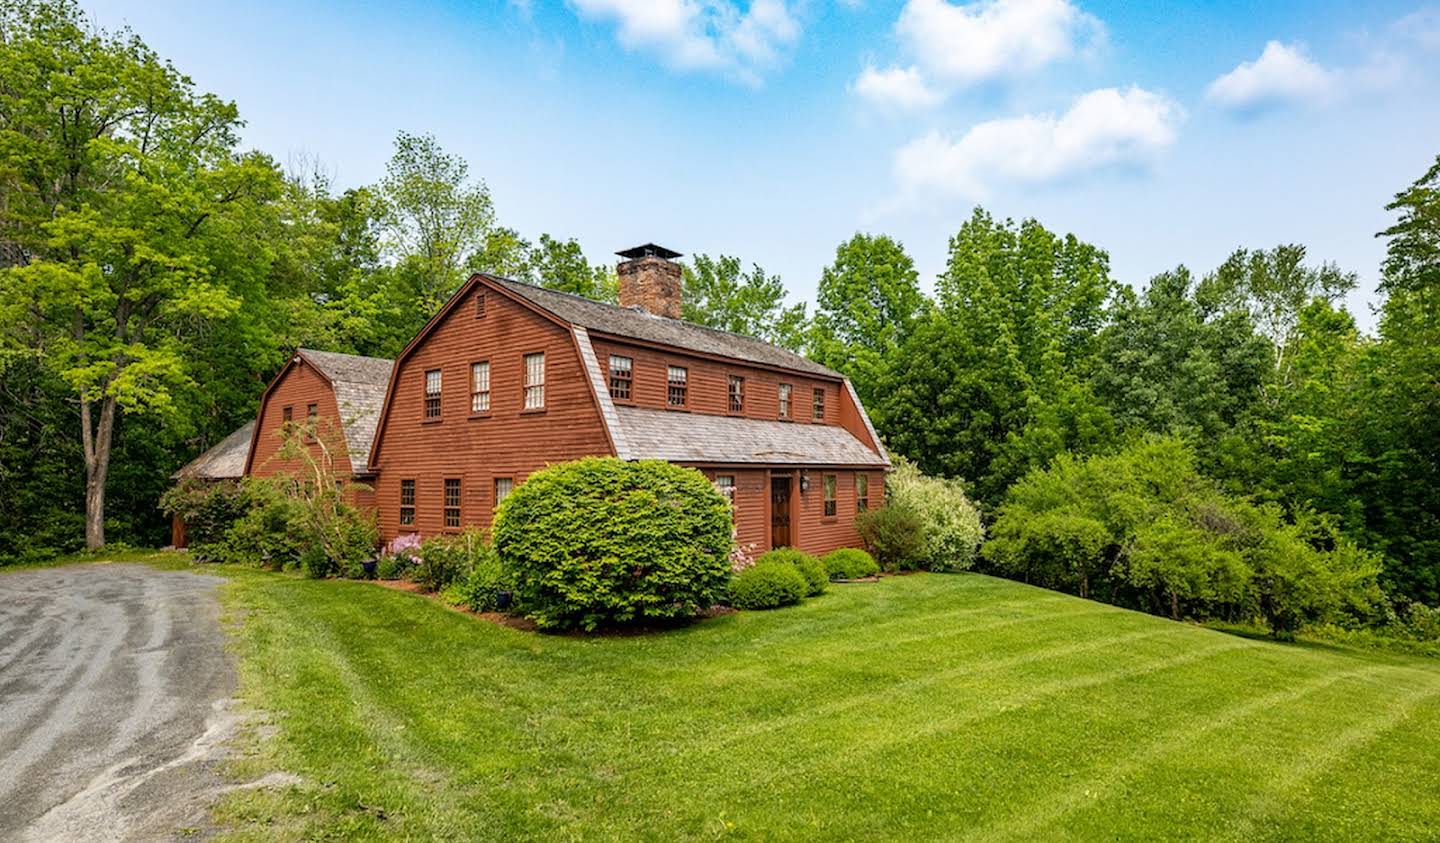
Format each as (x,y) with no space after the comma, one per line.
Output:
(830,493)
(817,404)
(287,415)
(450,509)
(432,399)
(862,502)
(407,485)
(728,490)
(495,489)
(672,385)
(475,393)
(530,388)
(785,396)
(628,380)
(735,398)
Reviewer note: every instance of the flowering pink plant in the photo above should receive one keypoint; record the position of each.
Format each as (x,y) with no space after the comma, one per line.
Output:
(741,556)
(404,545)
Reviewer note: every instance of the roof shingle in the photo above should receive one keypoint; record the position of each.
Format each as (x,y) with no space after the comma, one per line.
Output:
(223,461)
(360,385)
(700,438)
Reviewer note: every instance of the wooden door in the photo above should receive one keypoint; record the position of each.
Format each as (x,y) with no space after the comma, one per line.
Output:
(780,511)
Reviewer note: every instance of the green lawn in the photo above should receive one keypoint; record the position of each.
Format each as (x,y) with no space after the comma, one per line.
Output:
(918,707)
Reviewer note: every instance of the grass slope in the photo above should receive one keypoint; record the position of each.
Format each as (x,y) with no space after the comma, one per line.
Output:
(914,708)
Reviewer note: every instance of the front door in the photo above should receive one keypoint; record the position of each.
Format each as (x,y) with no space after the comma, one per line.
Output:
(780,511)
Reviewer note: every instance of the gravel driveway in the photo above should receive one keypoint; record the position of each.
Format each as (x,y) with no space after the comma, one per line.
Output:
(114,700)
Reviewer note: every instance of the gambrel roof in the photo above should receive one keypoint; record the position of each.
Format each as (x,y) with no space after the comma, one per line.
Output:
(225,460)
(633,323)
(360,384)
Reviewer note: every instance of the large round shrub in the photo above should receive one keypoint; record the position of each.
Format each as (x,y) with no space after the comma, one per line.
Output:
(767,585)
(600,542)
(809,567)
(850,563)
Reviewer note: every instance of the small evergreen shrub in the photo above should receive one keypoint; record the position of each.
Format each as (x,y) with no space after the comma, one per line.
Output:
(895,534)
(601,541)
(767,585)
(849,563)
(809,567)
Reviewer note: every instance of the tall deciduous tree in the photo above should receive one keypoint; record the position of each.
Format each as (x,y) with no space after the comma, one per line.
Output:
(867,304)
(125,195)
(719,292)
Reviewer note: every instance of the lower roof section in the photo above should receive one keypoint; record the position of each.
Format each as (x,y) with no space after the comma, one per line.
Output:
(224,461)
(730,440)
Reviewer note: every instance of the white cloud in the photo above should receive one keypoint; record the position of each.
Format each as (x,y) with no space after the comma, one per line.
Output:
(898,88)
(701,34)
(968,43)
(1421,26)
(1104,128)
(1283,74)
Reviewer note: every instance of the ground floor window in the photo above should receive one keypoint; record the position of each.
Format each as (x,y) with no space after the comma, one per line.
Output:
(828,483)
(452,502)
(862,492)
(726,484)
(407,503)
(503,487)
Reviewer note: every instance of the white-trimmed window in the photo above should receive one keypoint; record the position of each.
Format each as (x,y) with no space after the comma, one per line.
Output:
(503,487)
(817,405)
(480,387)
(407,503)
(432,394)
(737,394)
(784,400)
(452,502)
(622,376)
(535,380)
(677,381)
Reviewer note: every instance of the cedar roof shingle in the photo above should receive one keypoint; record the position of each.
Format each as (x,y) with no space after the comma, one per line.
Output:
(642,325)
(360,384)
(701,438)
(223,461)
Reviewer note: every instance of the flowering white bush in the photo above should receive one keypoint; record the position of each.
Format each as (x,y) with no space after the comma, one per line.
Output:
(952,522)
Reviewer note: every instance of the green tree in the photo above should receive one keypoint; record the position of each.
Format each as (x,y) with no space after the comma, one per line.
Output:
(130,207)
(561,265)
(719,292)
(868,302)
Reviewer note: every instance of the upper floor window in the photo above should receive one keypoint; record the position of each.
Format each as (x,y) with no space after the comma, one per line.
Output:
(784,400)
(452,502)
(535,380)
(480,305)
(677,380)
(312,410)
(862,492)
(725,483)
(480,387)
(288,414)
(622,373)
(817,405)
(432,394)
(737,394)
(503,487)
(829,485)
(407,503)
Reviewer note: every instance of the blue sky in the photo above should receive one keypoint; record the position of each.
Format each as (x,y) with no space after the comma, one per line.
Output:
(773,129)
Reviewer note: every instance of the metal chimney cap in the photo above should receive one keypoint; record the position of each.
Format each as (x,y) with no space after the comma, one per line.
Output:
(649,250)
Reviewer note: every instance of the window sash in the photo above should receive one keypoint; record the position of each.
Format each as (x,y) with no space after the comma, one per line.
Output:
(288,414)
(818,405)
(622,376)
(828,483)
(784,400)
(503,487)
(737,394)
(407,502)
(535,380)
(862,492)
(452,502)
(432,394)
(480,387)
(725,483)
(676,379)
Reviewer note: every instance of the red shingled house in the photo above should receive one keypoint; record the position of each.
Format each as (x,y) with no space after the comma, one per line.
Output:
(509,377)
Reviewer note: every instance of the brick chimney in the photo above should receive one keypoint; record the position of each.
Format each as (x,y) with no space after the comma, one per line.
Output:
(650,280)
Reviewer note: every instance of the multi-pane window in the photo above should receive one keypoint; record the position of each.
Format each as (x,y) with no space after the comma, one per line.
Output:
(829,485)
(817,405)
(452,502)
(535,380)
(288,414)
(407,503)
(480,387)
(737,394)
(503,487)
(677,380)
(479,305)
(726,484)
(784,400)
(432,394)
(622,374)
(862,492)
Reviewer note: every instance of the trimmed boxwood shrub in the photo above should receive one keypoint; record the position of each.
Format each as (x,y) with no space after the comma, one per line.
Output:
(850,563)
(601,541)
(895,534)
(809,567)
(767,585)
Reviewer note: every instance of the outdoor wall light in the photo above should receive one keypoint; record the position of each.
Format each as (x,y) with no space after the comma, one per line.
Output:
(804,481)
